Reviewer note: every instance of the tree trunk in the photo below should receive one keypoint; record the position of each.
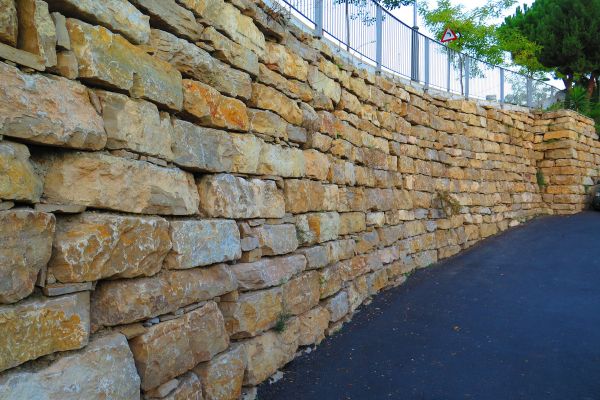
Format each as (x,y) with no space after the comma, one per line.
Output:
(591,85)
(568,81)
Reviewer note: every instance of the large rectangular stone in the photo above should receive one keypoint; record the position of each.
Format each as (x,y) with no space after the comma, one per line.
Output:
(203,242)
(252,312)
(168,15)
(205,149)
(39,326)
(222,376)
(18,180)
(49,110)
(173,347)
(192,61)
(103,181)
(305,195)
(25,248)
(9,25)
(91,246)
(283,60)
(267,98)
(103,370)
(117,15)
(231,52)
(229,196)
(281,161)
(317,227)
(109,60)
(276,239)
(313,324)
(136,125)
(302,293)
(37,33)
(157,295)
(268,271)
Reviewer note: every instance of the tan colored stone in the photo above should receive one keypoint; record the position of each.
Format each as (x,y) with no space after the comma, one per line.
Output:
(317,165)
(9,25)
(267,98)
(330,278)
(104,369)
(91,246)
(176,346)
(190,388)
(231,52)
(212,109)
(194,62)
(253,312)
(322,84)
(270,351)
(22,57)
(313,324)
(276,239)
(316,256)
(18,180)
(338,306)
(117,15)
(281,59)
(202,242)
(352,222)
(268,271)
(108,59)
(157,295)
(171,17)
(37,33)
(281,161)
(66,65)
(305,195)
(222,376)
(48,110)
(267,123)
(114,183)
(317,227)
(25,248)
(39,326)
(302,293)
(234,197)
(136,125)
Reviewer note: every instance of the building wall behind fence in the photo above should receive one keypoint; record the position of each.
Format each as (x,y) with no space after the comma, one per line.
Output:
(192,191)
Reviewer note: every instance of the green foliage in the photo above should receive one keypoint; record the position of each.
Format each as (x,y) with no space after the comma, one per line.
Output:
(577,99)
(280,325)
(541,179)
(448,203)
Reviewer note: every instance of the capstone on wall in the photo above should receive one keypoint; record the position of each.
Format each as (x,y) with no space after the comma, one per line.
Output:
(190,191)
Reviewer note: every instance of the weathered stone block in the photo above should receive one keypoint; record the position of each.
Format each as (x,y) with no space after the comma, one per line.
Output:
(302,293)
(192,61)
(9,25)
(316,256)
(90,246)
(18,180)
(222,376)
(103,370)
(157,295)
(317,165)
(40,326)
(234,197)
(317,227)
(313,324)
(231,52)
(103,181)
(270,351)
(268,271)
(330,278)
(170,16)
(48,110)
(281,59)
(210,108)
(352,222)
(109,60)
(338,306)
(176,346)
(136,125)
(203,242)
(25,248)
(322,84)
(252,312)
(117,15)
(37,33)
(276,239)
(281,161)
(267,123)
(267,98)
(306,195)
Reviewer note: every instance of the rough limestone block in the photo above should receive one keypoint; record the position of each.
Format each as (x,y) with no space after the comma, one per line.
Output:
(281,161)
(37,33)
(176,346)
(276,239)
(252,312)
(169,16)
(91,246)
(231,52)
(222,376)
(161,294)
(109,60)
(267,123)
(270,351)
(18,180)
(317,227)
(305,195)
(313,324)
(203,242)
(338,306)
(281,59)
(267,98)
(192,61)
(302,293)
(205,149)
(117,15)
(9,26)
(102,370)
(268,272)
(25,248)
(136,125)
(48,110)
(189,388)
(235,197)
(39,326)
(103,181)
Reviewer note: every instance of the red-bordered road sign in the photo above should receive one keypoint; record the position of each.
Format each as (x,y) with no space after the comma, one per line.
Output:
(449,36)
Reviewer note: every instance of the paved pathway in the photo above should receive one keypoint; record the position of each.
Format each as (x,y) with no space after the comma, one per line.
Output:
(516,317)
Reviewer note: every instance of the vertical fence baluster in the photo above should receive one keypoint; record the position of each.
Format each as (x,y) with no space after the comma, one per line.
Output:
(378,36)
(467,75)
(427,71)
(318,4)
(448,53)
(502,85)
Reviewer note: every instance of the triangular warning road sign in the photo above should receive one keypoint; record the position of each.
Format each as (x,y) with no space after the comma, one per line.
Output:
(449,35)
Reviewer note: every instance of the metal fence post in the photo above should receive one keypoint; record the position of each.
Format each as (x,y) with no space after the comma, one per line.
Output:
(529,92)
(318,4)
(467,75)
(448,53)
(502,85)
(427,71)
(414,55)
(378,36)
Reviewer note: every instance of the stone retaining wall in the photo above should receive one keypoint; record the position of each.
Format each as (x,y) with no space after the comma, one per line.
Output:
(191,191)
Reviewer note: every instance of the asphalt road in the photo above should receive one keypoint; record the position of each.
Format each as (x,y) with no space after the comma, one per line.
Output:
(515,317)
